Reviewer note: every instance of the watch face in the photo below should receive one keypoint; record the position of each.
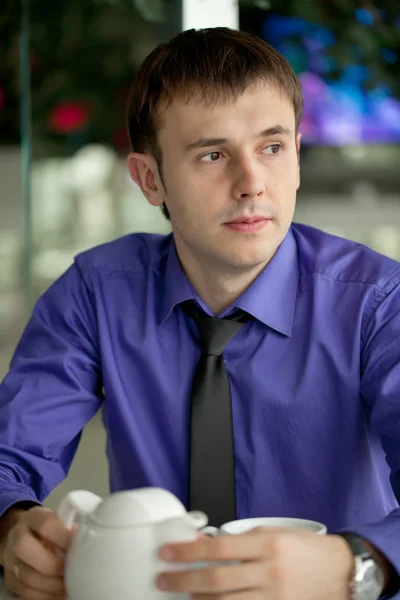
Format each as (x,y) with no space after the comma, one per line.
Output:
(368,586)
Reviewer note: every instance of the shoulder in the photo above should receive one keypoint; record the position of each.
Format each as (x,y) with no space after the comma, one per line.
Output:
(344,261)
(139,253)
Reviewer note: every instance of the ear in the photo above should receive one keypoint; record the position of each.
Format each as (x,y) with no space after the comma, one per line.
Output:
(144,172)
(298,143)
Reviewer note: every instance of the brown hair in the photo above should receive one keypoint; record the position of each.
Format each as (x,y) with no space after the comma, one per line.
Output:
(217,63)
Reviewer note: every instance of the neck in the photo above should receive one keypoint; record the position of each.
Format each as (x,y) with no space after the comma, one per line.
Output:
(219,290)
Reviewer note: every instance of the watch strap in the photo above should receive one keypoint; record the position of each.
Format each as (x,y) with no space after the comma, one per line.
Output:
(357,544)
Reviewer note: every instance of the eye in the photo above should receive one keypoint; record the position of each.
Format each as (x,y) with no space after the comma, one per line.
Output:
(211,157)
(272,149)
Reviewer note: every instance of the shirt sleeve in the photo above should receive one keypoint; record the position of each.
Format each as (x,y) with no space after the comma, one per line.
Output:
(380,389)
(52,390)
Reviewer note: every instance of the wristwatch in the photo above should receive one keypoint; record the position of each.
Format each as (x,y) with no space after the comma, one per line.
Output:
(368,578)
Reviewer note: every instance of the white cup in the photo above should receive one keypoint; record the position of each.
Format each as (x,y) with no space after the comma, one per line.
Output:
(244,525)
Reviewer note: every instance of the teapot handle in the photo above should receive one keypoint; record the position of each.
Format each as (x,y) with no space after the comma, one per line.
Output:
(79,502)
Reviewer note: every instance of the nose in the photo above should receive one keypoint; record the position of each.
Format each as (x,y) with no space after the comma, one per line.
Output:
(248,183)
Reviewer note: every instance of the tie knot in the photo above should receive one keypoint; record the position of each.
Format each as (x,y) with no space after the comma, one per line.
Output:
(215,333)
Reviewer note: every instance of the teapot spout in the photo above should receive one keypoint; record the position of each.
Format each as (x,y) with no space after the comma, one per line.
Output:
(79,502)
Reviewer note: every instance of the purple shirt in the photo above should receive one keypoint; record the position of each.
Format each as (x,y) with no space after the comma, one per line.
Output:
(315,381)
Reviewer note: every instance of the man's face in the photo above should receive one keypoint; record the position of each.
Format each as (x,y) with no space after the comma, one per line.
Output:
(231,173)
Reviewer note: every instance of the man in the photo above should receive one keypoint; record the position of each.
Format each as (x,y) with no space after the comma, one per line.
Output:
(309,380)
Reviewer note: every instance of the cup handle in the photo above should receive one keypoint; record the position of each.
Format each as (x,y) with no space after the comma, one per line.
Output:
(211,531)
(197,519)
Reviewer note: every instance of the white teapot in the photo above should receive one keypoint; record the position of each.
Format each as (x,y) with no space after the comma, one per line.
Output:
(114,552)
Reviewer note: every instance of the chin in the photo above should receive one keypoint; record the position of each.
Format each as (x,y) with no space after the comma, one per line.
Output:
(245,257)
(246,261)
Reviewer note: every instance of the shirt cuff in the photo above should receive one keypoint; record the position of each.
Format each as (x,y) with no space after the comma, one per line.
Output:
(9,498)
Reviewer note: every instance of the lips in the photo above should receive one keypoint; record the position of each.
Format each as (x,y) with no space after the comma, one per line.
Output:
(248,224)
(247,220)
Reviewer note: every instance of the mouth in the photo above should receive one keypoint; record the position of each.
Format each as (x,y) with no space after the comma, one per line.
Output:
(247,220)
(248,224)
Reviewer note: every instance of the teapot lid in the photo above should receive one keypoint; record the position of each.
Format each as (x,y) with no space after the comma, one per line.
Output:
(138,507)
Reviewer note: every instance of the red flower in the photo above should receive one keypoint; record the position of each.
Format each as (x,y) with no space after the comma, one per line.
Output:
(68,117)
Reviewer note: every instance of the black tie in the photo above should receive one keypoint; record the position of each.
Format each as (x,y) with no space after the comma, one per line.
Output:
(211,455)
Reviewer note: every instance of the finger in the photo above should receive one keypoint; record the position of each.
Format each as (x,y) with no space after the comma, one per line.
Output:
(31,578)
(23,591)
(46,525)
(32,552)
(227,547)
(27,593)
(10,582)
(220,579)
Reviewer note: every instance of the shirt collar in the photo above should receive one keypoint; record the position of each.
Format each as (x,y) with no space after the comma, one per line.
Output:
(270,299)
(176,288)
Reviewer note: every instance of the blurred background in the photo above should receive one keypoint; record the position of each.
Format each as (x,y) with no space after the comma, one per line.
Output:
(65,73)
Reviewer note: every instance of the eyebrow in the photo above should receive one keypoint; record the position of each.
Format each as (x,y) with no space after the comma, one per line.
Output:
(206,142)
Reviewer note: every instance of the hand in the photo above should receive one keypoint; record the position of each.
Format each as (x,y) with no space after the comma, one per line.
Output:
(32,568)
(276,564)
